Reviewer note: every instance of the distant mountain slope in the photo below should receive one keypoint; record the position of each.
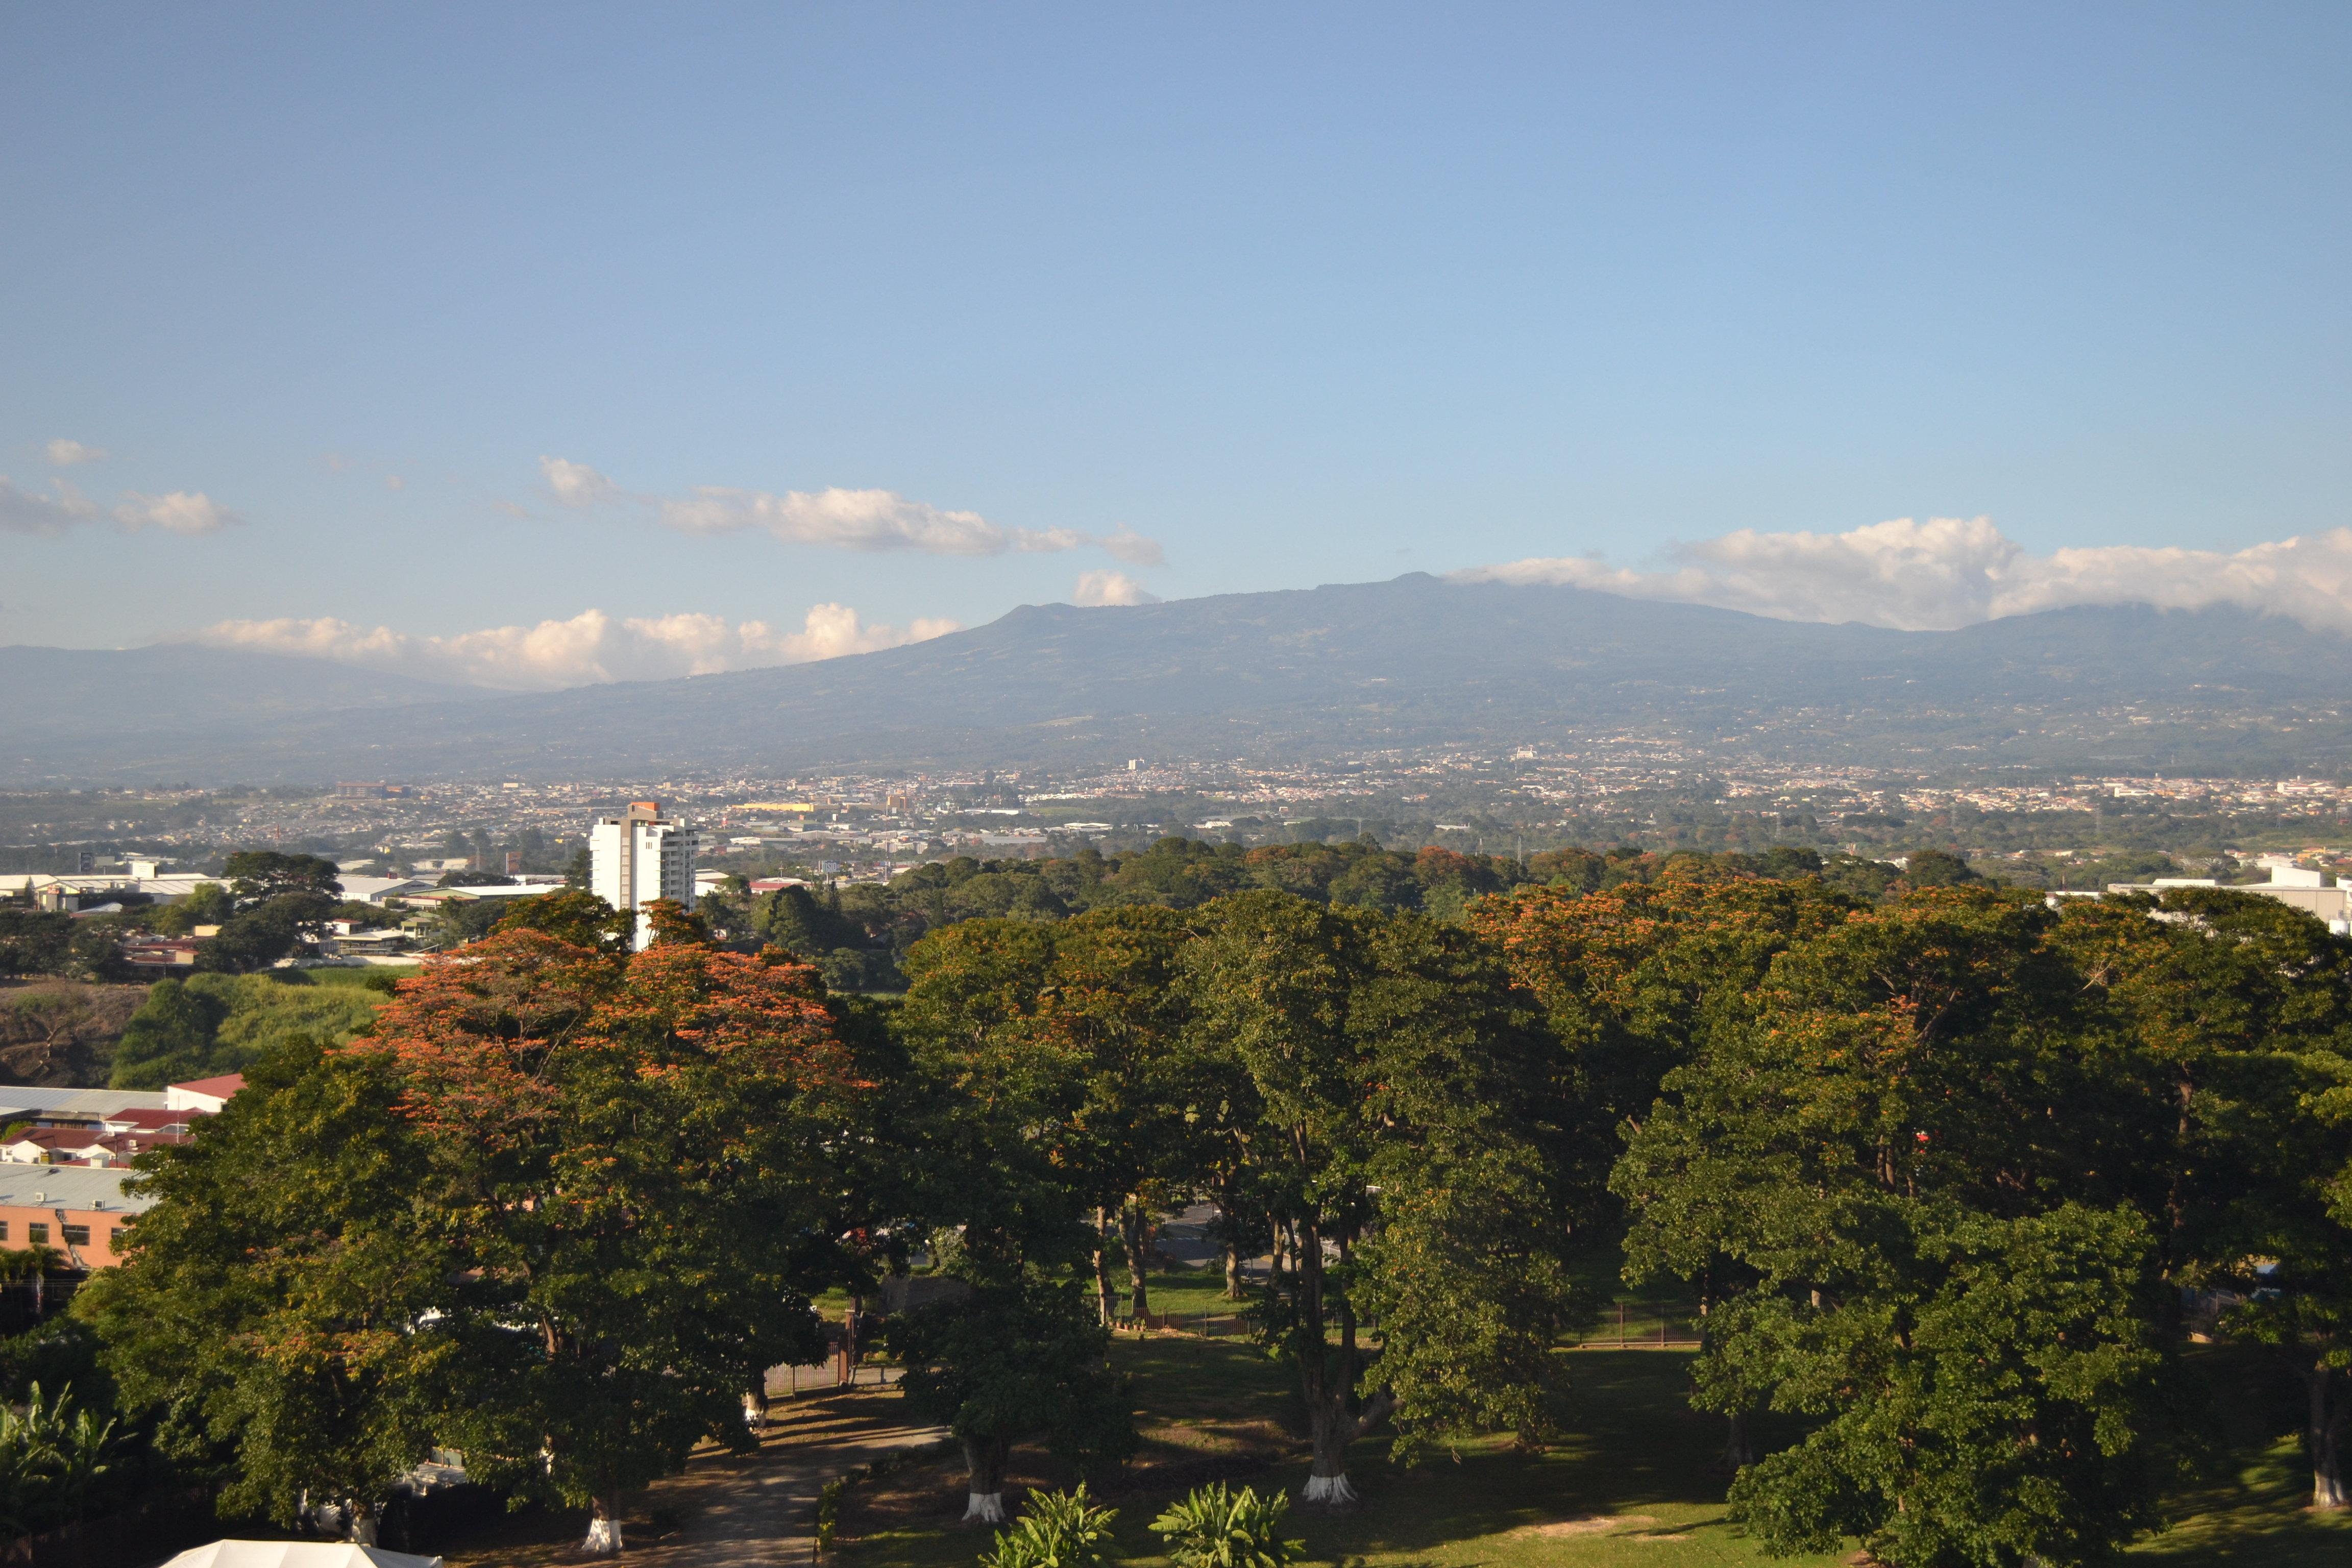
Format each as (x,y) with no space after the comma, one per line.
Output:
(1415,661)
(64,710)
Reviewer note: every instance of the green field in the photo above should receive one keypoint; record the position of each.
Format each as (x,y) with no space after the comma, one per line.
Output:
(1636,1477)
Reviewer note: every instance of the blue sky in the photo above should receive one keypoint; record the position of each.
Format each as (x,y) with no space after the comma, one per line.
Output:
(1303,294)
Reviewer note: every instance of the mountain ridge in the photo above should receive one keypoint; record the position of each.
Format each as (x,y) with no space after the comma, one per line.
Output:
(1415,661)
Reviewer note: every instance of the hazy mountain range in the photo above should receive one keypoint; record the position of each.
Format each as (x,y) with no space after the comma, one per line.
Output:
(1409,663)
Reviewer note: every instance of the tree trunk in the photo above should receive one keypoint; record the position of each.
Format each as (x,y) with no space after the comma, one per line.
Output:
(603,1528)
(1327,1482)
(2328,1421)
(1738,1448)
(983,1463)
(1230,1226)
(363,1523)
(1102,1263)
(1135,1229)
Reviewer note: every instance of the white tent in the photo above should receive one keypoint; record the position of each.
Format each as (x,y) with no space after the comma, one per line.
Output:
(295,1554)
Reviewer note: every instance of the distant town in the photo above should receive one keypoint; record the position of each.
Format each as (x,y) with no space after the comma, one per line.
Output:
(863,827)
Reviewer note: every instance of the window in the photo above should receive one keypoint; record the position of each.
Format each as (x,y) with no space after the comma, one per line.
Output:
(77,1236)
(118,1239)
(4,1230)
(37,1235)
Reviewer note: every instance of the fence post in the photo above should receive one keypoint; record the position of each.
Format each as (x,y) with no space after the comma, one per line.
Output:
(1621,1322)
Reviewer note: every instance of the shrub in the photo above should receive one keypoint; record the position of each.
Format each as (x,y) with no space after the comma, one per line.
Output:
(1218,1528)
(1057,1529)
(53,1460)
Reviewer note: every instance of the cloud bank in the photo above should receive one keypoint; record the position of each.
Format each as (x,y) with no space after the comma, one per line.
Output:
(64,454)
(590,648)
(1953,572)
(1108,588)
(182,512)
(838,519)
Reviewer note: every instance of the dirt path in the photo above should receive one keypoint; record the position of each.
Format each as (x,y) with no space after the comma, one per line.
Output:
(727,1511)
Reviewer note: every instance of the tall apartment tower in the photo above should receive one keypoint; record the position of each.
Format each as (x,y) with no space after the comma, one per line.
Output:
(637,857)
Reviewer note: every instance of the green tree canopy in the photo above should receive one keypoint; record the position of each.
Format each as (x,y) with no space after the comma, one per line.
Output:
(1407,1121)
(1902,1171)
(258,876)
(628,1162)
(271,1320)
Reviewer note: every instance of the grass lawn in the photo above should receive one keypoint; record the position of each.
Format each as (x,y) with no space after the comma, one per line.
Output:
(1635,1479)
(2251,1509)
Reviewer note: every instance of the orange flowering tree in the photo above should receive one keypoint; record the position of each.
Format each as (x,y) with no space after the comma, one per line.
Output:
(630,1160)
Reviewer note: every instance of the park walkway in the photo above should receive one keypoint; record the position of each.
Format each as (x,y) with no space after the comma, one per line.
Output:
(730,1510)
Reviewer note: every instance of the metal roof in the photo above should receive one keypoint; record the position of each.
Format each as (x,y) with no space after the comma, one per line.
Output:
(70,1187)
(91,1101)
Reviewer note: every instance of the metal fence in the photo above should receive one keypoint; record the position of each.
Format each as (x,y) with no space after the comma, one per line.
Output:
(1635,1323)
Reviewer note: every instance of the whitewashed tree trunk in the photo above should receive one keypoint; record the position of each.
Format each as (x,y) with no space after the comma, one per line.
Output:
(1326,1480)
(603,1531)
(983,1462)
(363,1524)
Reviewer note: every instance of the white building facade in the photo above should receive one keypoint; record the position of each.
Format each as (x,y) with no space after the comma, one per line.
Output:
(639,856)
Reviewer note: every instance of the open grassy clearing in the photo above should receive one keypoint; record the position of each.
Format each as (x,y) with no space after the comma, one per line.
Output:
(1636,1479)
(1633,1481)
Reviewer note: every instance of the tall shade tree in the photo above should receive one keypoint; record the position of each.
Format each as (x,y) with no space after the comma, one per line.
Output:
(1917,1150)
(1409,1122)
(274,1319)
(1628,977)
(627,1164)
(2232,1018)
(280,900)
(1012,1143)
(256,876)
(1110,1005)
(1019,1358)
(1631,978)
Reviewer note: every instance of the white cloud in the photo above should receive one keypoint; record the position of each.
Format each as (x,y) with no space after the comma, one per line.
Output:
(29,511)
(394,482)
(837,519)
(182,512)
(1108,587)
(1125,544)
(65,453)
(589,649)
(1953,572)
(857,520)
(576,484)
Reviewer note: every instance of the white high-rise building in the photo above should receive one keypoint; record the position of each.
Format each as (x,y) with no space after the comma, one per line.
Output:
(637,857)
